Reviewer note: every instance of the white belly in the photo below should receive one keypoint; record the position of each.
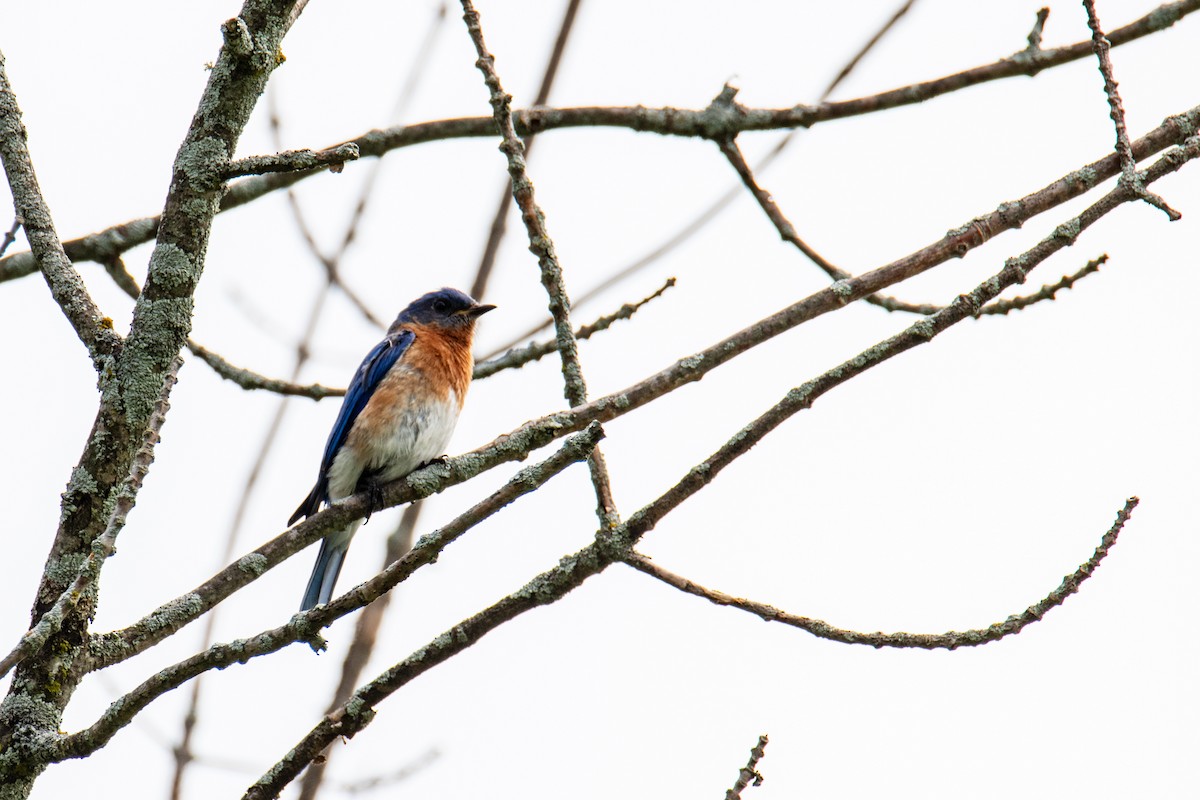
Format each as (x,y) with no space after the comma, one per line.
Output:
(392,439)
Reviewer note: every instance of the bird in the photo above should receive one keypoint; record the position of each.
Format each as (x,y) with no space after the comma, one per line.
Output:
(397,416)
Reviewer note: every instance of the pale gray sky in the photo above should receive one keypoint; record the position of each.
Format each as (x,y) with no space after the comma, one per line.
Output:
(944,490)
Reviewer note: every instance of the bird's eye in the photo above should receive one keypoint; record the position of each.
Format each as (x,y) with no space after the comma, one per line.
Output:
(441,306)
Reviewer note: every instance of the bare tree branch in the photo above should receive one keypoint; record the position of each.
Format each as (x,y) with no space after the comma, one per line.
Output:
(135,378)
(749,772)
(11,235)
(542,246)
(1101,46)
(334,158)
(499,219)
(252,380)
(92,327)
(951,640)
(1039,25)
(305,626)
(665,121)
(520,357)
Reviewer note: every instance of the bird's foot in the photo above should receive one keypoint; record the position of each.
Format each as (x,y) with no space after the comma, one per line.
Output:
(373,489)
(442,459)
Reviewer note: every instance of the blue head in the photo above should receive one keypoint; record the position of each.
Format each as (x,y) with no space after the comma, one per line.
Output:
(445,308)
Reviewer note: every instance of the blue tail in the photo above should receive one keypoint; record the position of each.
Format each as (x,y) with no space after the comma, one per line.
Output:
(325,572)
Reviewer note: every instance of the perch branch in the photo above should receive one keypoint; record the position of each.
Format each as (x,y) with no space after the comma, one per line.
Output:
(305,626)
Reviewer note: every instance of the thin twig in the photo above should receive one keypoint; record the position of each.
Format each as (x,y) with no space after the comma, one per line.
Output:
(1035,34)
(334,158)
(666,121)
(541,245)
(330,263)
(11,235)
(532,352)
(1129,174)
(950,640)
(499,219)
(250,380)
(399,776)
(788,233)
(92,327)
(1047,292)
(701,220)
(749,772)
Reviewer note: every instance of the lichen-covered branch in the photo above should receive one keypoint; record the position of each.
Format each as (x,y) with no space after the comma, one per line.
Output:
(92,327)
(334,158)
(107,649)
(135,380)
(305,626)
(248,379)
(542,246)
(950,640)
(665,121)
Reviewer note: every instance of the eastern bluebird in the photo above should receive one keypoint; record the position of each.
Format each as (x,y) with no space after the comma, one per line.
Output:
(398,414)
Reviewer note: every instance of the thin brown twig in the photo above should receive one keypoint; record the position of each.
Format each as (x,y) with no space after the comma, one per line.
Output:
(950,640)
(1129,174)
(668,121)
(499,220)
(517,358)
(541,245)
(92,327)
(248,379)
(11,235)
(750,772)
(330,263)
(1039,26)
(788,233)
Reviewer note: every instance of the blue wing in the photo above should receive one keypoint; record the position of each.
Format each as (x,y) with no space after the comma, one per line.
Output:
(366,380)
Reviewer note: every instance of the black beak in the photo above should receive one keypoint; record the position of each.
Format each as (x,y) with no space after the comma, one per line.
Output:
(478,310)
